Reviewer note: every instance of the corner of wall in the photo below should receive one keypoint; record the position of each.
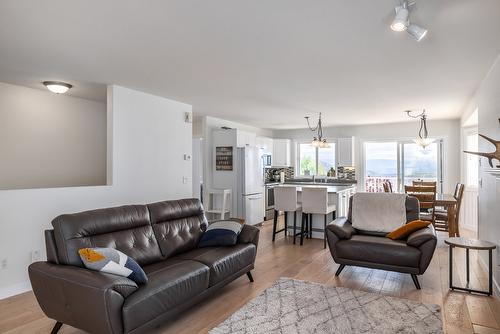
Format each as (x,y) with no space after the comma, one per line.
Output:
(109,135)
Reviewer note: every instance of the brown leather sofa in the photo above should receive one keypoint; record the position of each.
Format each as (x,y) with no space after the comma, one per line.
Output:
(162,237)
(353,247)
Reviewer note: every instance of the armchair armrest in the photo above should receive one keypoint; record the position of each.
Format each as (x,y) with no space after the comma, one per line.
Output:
(418,238)
(249,234)
(85,299)
(341,227)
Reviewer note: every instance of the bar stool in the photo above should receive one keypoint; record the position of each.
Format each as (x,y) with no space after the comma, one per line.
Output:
(315,201)
(285,199)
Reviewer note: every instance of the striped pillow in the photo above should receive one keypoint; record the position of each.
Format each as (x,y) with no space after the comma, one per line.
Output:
(112,261)
(221,233)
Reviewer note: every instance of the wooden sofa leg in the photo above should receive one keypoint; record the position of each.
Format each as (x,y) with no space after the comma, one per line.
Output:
(56,328)
(415,281)
(250,277)
(341,267)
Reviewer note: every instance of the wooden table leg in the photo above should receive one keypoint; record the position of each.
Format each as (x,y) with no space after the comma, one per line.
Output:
(452,222)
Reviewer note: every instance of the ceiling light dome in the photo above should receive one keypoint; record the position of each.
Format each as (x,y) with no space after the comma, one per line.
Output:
(400,22)
(57,87)
(416,32)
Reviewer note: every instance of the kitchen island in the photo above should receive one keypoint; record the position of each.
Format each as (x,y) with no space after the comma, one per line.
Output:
(337,194)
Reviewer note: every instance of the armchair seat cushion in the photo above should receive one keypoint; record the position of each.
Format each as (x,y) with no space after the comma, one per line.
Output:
(223,261)
(367,248)
(170,283)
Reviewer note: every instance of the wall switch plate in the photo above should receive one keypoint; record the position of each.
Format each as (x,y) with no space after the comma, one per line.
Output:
(185,179)
(188,117)
(3,264)
(35,255)
(187,157)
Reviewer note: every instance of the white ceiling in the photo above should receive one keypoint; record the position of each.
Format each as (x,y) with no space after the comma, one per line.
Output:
(264,63)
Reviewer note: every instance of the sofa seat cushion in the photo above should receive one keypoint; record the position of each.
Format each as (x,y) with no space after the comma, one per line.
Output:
(378,250)
(170,283)
(223,261)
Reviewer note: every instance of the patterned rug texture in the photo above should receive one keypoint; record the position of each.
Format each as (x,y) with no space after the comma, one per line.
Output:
(293,306)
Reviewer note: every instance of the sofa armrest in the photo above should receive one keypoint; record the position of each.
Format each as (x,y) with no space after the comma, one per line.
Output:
(341,227)
(249,234)
(418,238)
(79,297)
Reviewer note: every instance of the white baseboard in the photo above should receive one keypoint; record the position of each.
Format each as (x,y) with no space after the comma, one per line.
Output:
(14,289)
(496,287)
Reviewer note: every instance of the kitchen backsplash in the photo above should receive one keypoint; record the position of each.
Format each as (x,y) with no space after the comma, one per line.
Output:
(346,173)
(271,172)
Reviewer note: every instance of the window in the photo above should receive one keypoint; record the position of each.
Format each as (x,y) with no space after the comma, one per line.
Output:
(400,163)
(315,161)
(381,165)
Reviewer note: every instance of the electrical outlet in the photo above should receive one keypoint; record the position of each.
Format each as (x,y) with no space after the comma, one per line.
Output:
(35,255)
(3,264)
(187,157)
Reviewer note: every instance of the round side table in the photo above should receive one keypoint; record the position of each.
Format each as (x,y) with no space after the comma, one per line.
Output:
(469,244)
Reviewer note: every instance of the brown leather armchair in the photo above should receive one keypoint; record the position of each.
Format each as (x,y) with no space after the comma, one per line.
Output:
(353,247)
(162,237)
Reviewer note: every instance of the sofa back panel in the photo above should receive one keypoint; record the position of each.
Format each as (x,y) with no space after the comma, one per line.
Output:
(50,246)
(412,213)
(126,228)
(178,225)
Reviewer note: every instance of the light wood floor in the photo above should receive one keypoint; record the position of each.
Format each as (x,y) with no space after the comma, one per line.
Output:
(462,313)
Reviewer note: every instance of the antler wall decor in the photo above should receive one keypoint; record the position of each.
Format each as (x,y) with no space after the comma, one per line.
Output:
(492,155)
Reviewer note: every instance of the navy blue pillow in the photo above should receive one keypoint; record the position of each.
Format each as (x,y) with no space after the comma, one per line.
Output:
(221,233)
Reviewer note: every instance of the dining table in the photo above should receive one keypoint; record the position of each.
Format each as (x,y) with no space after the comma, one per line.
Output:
(449,202)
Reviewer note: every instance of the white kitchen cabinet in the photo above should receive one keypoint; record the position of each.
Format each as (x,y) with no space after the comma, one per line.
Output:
(244,138)
(343,201)
(265,144)
(345,152)
(281,152)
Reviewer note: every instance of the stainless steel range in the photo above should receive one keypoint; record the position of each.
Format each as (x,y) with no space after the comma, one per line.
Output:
(270,199)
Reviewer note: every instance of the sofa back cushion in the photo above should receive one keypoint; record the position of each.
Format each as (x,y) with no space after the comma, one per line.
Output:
(178,225)
(125,228)
(412,213)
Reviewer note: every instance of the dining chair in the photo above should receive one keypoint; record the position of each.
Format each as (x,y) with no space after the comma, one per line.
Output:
(426,196)
(387,186)
(441,215)
(424,183)
(285,199)
(315,201)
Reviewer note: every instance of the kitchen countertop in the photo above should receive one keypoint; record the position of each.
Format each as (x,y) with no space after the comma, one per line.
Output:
(331,182)
(330,189)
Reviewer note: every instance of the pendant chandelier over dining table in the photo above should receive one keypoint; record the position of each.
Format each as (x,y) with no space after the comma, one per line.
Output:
(318,140)
(422,140)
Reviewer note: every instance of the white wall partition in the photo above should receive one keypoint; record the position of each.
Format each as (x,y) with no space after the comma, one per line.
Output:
(148,138)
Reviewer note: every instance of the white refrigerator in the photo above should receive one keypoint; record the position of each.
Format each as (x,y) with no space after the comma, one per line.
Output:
(250,185)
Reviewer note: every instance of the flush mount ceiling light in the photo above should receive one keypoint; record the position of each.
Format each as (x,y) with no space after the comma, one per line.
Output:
(402,22)
(423,140)
(318,140)
(57,87)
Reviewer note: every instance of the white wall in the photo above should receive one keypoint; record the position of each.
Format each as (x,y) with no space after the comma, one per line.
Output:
(487,100)
(148,136)
(449,130)
(49,140)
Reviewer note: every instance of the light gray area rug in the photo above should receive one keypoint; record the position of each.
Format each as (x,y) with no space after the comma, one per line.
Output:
(293,306)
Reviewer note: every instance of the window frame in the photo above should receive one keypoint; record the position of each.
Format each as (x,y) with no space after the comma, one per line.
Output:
(297,155)
(441,159)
